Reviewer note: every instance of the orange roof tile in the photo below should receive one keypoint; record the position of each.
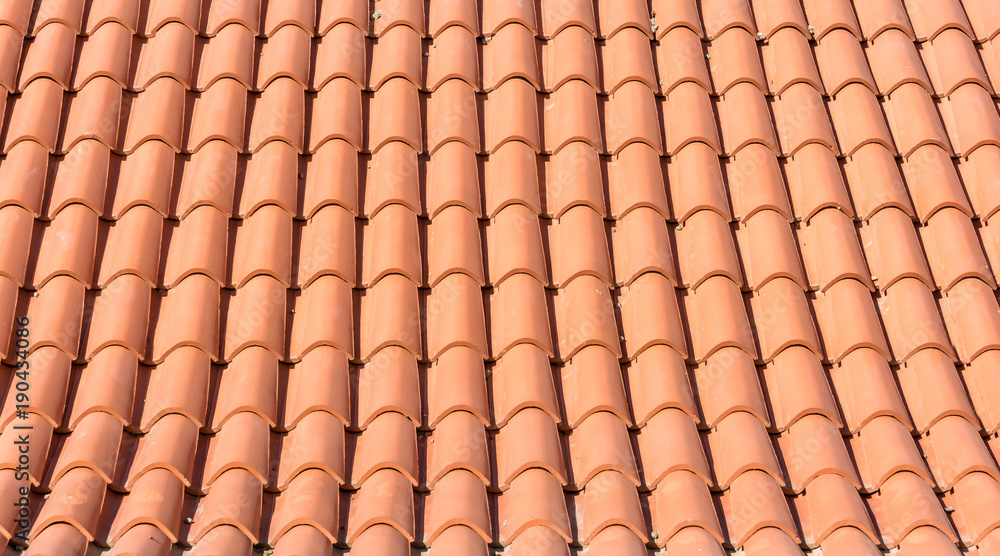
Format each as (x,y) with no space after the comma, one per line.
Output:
(538,277)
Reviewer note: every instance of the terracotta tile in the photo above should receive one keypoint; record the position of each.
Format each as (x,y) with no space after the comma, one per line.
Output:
(458,500)
(929,22)
(197,246)
(781,318)
(511,114)
(705,248)
(161,12)
(772,540)
(649,316)
(226,99)
(247,384)
(387,500)
(674,14)
(768,250)
(391,176)
(186,304)
(278,115)
(518,314)
(697,166)
(115,365)
(796,387)
(144,179)
(449,13)
(557,16)
(630,117)
(831,251)
(573,177)
(689,455)
(15,222)
(529,441)
(718,296)
(614,503)
(42,96)
(68,13)
(975,498)
(307,502)
(142,538)
(261,296)
(636,179)
(458,443)
(184,369)
(641,244)
(405,12)
(733,58)
(155,499)
(241,446)
(813,449)
(209,179)
(930,164)
(575,225)
(302,540)
(976,172)
(224,536)
(920,124)
(515,53)
(457,382)
(66,247)
(455,316)
(76,500)
(584,316)
(848,301)
(745,118)
(680,54)
(617,539)
(522,378)
(396,116)
(788,60)
(105,53)
(772,18)
(133,247)
(717,400)
(624,58)
(80,177)
(50,55)
(695,539)
(841,61)
(392,245)
(9,294)
(263,247)
(354,12)
(36,452)
(831,505)
(340,53)
(912,320)
(519,228)
(313,327)
(970,120)
(154,116)
(570,55)
(17,16)
(955,451)
(125,297)
(876,17)
(801,118)
(386,383)
(895,62)
(327,245)
(849,540)
(52,380)
(590,367)
(397,53)
(299,13)
(545,507)
(740,444)
(318,382)
(220,509)
(285,54)
(458,57)
(932,370)
(957,257)
(106,11)
(656,380)
(168,446)
(671,522)
(883,449)
(771,516)
(571,114)
(244,12)
(452,115)
(331,179)
(906,503)
(11,44)
(721,15)
(389,316)
(858,119)
(228,54)
(335,114)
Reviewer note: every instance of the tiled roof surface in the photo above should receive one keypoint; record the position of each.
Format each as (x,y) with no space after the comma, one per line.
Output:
(483,276)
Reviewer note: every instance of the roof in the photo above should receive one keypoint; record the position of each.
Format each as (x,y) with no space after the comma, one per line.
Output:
(485,276)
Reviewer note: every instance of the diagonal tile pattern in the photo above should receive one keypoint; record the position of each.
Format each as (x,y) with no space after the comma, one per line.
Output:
(481,276)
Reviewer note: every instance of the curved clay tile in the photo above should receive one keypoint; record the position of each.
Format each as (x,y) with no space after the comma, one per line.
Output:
(705,305)
(223,12)
(326,247)
(641,242)
(286,53)
(917,513)
(881,15)
(323,306)
(771,523)
(769,250)
(719,16)
(456,382)
(169,53)
(841,62)
(161,12)
(831,251)
(534,506)
(797,387)
(68,13)
(658,380)
(300,13)
(458,442)
(124,298)
(41,96)
(529,442)
(453,55)
(832,503)
(315,444)
(383,386)
(385,499)
(650,316)
(698,168)
(187,303)
(14,255)
(342,52)
(685,463)
(632,14)
(728,365)
(156,499)
(816,182)
(217,113)
(157,114)
(630,116)
(179,384)
(450,13)
(705,248)
(673,525)
(570,55)
(230,513)
(557,15)
(523,377)
(590,460)
(398,53)
(271,180)
(825,16)
(170,445)
(806,462)
(733,58)
(788,59)
(306,502)
(354,12)
(775,16)
(592,366)
(452,115)
(107,52)
(263,247)
(459,499)
(572,114)
(680,58)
